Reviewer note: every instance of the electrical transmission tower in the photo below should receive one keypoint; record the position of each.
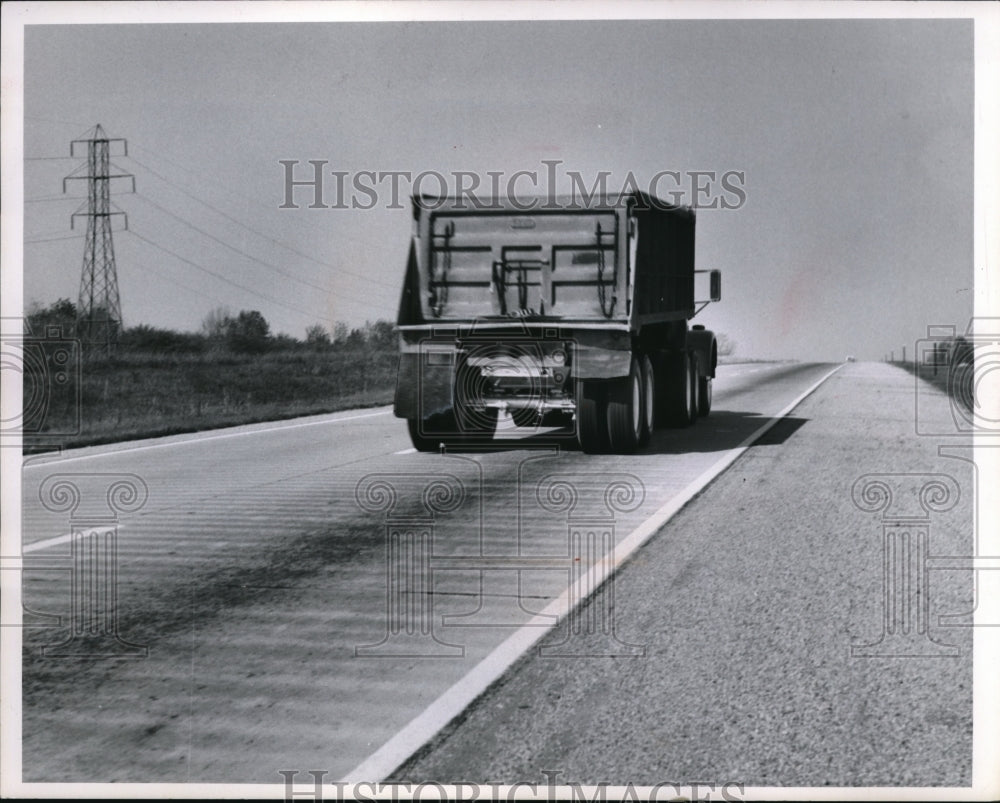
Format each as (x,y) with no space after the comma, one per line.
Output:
(99,311)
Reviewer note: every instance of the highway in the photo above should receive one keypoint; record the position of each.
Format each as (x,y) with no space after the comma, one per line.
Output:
(314,594)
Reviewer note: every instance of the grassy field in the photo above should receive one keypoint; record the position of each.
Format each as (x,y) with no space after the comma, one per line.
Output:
(164,382)
(145,393)
(955,379)
(140,394)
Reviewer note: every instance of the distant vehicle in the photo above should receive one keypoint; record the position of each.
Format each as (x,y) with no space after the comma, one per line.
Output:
(849,358)
(568,312)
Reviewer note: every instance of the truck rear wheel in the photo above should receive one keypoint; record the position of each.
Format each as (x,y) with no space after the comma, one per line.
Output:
(419,437)
(695,387)
(704,395)
(474,422)
(591,417)
(648,400)
(625,411)
(677,391)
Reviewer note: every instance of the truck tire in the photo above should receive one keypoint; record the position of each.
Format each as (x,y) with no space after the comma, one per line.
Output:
(625,411)
(704,395)
(648,400)
(472,425)
(676,391)
(693,362)
(422,442)
(591,417)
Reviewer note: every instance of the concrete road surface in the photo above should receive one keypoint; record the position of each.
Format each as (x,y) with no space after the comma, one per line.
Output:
(292,595)
(749,603)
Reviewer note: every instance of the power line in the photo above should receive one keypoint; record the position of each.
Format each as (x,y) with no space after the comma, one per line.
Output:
(54,239)
(217,275)
(184,169)
(275,241)
(44,234)
(226,279)
(92,134)
(244,254)
(233,248)
(54,198)
(200,293)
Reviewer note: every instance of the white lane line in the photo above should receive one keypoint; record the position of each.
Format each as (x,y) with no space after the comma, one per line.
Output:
(62,539)
(199,440)
(65,539)
(456,699)
(411,450)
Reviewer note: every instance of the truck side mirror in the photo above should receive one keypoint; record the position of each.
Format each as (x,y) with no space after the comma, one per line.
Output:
(715,285)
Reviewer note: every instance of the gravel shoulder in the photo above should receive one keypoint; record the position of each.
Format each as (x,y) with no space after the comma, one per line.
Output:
(748,604)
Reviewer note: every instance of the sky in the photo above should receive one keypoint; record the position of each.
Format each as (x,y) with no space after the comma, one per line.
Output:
(854,140)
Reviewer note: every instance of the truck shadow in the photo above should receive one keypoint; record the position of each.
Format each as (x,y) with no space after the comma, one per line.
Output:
(719,432)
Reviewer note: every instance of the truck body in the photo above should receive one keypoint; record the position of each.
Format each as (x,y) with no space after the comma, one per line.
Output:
(552,311)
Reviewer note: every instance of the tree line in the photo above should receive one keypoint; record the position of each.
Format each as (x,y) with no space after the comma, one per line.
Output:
(245,332)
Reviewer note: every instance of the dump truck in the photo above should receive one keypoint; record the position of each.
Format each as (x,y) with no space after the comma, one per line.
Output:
(552,312)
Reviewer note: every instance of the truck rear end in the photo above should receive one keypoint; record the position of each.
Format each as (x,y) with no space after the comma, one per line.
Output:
(538,310)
